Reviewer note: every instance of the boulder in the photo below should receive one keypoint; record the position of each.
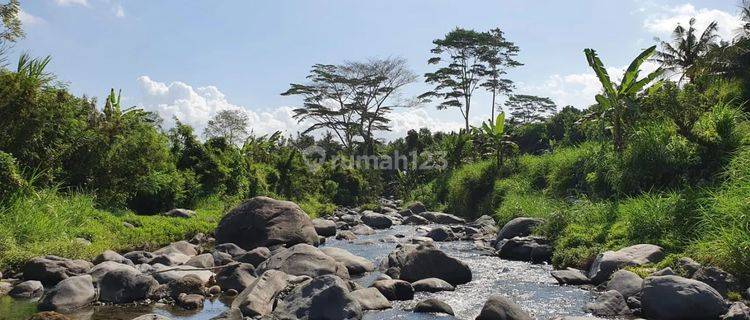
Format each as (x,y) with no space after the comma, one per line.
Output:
(99,270)
(230,248)
(27,290)
(190,301)
(718,279)
(324,297)
(52,269)
(376,220)
(238,276)
(164,274)
(608,262)
(182,247)
(304,259)
(441,218)
(189,284)
(570,276)
(485,224)
(432,285)
(324,227)
(518,227)
(257,300)
(110,255)
(673,298)
(255,256)
(416,207)
(627,283)
(416,220)
(265,222)
(205,260)
(356,265)
(221,258)
(394,289)
(170,259)
(608,304)
(69,294)
(737,311)
(501,308)
(362,230)
(371,299)
(346,235)
(179,213)
(125,286)
(433,306)
(532,248)
(405,213)
(687,266)
(441,233)
(428,262)
(139,257)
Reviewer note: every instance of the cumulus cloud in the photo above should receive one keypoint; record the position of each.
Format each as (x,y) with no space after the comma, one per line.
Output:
(663,22)
(28,19)
(84,3)
(403,120)
(197,105)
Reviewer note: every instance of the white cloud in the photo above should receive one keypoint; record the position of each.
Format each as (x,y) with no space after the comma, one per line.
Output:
(84,3)
(663,22)
(119,11)
(196,106)
(403,120)
(28,19)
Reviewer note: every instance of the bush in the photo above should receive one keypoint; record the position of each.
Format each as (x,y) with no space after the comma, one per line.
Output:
(470,190)
(351,185)
(11,180)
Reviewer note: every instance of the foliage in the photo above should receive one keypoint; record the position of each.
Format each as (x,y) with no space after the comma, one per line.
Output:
(528,109)
(11,180)
(11,22)
(470,190)
(231,125)
(682,56)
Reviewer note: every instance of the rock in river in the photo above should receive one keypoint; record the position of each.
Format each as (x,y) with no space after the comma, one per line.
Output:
(518,227)
(324,227)
(69,294)
(610,261)
(27,290)
(674,297)
(264,222)
(417,262)
(324,297)
(238,276)
(124,286)
(371,299)
(432,285)
(433,306)
(394,289)
(501,308)
(304,259)
(356,265)
(52,269)
(376,220)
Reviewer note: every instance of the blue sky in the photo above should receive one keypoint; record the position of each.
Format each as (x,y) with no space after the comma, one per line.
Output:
(193,58)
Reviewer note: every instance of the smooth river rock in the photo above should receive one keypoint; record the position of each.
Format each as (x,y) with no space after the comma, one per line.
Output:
(674,297)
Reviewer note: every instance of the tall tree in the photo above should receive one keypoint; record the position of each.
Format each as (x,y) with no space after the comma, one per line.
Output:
(687,48)
(228,124)
(499,55)
(11,23)
(528,108)
(460,54)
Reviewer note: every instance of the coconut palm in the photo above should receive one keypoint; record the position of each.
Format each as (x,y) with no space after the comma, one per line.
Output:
(687,49)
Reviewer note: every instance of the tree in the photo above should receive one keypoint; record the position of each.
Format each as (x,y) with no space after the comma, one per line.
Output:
(498,140)
(499,55)
(528,108)
(618,99)
(686,49)
(11,23)
(462,52)
(352,99)
(228,124)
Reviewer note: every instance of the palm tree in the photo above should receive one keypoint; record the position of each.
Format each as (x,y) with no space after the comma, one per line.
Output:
(686,49)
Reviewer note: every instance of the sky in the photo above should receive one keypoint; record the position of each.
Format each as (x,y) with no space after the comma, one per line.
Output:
(191,59)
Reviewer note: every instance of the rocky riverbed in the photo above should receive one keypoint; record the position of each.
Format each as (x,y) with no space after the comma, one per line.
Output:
(269,260)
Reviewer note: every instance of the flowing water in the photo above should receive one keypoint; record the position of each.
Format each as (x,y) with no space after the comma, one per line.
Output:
(529,285)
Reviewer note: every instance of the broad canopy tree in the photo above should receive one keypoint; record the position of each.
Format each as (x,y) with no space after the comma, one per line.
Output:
(228,124)
(467,58)
(528,108)
(352,99)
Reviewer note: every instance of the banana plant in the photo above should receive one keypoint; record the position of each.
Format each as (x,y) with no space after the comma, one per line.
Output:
(495,134)
(618,99)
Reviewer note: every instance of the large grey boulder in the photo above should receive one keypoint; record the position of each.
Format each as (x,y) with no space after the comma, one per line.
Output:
(441,233)
(151,316)
(626,283)
(205,260)
(608,304)
(27,290)
(432,285)
(376,220)
(258,299)
(416,207)
(324,227)
(371,299)
(608,262)
(189,284)
(139,257)
(356,265)
(52,269)
(442,218)
(570,276)
(394,289)
(501,308)
(164,274)
(255,256)
(230,248)
(99,270)
(125,286)
(687,266)
(362,230)
(170,259)
(433,306)
(485,224)
(237,276)
(518,227)
(428,262)
(532,248)
(110,255)
(324,297)
(265,222)
(718,279)
(738,311)
(416,220)
(304,259)
(69,294)
(674,297)
(181,247)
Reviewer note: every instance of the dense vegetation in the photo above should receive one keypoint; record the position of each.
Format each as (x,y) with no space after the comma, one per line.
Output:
(653,161)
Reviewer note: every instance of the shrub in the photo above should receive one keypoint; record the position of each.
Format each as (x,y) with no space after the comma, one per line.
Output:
(10,179)
(470,189)
(351,185)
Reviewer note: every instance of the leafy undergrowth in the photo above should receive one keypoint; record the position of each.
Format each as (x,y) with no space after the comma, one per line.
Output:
(49,222)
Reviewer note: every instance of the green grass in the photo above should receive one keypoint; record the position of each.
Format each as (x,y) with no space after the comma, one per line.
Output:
(48,222)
